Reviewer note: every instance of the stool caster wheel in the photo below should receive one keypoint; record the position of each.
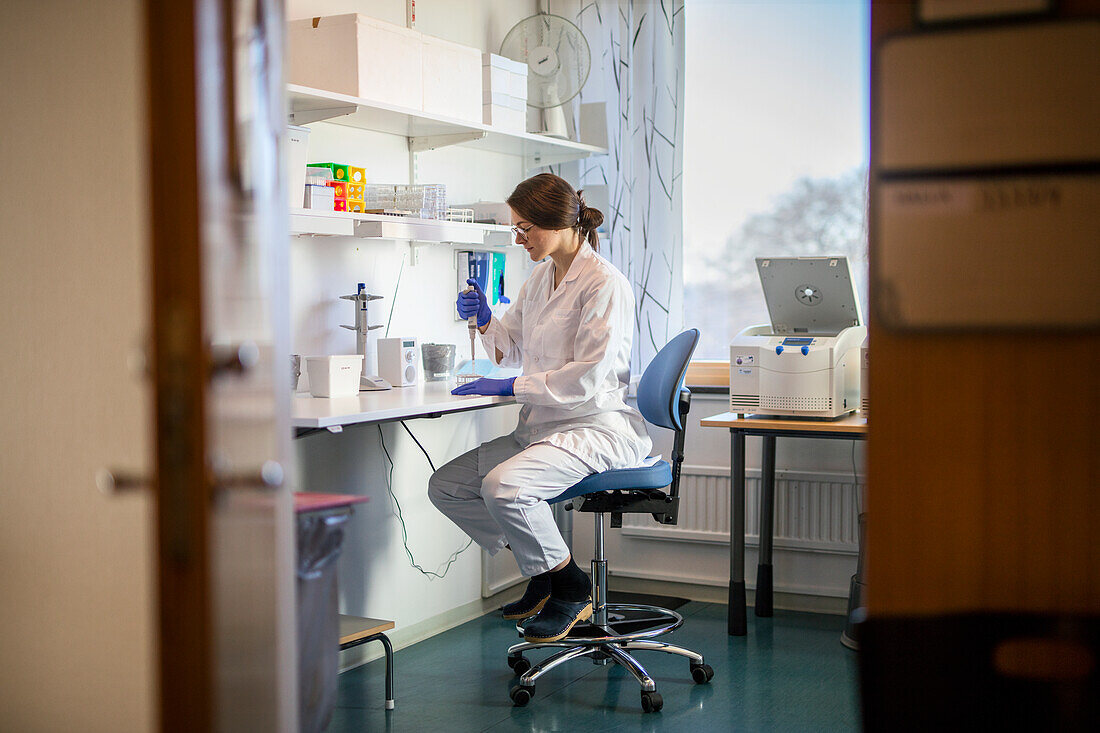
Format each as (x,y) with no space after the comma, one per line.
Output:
(521,695)
(701,673)
(652,702)
(519,664)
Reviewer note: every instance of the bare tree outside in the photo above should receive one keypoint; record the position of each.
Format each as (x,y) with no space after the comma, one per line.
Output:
(816,216)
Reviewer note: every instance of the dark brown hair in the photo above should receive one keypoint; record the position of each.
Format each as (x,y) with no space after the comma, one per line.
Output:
(549,202)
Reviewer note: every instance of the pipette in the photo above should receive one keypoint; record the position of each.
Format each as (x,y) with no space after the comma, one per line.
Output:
(471,324)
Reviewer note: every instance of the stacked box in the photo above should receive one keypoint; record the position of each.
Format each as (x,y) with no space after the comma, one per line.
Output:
(319,198)
(504,93)
(340,194)
(355,194)
(356,175)
(339,171)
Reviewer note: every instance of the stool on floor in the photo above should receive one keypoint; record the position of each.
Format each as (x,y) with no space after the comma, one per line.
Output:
(356,631)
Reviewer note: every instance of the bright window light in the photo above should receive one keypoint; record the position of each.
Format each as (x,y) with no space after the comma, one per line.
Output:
(775,150)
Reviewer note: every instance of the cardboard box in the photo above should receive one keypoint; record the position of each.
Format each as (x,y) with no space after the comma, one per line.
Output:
(503,75)
(357,55)
(452,79)
(504,111)
(296,156)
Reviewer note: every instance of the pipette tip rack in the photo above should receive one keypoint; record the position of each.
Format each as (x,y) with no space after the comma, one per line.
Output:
(466,378)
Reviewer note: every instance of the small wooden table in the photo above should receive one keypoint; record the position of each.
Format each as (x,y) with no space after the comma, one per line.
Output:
(356,630)
(853,427)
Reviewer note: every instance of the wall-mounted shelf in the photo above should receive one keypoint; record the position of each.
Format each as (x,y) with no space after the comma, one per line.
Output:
(427,131)
(307,222)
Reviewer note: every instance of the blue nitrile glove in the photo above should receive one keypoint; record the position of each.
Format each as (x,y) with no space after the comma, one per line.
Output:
(474,303)
(487,386)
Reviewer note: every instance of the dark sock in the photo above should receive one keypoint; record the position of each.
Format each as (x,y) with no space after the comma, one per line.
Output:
(570,584)
(539,585)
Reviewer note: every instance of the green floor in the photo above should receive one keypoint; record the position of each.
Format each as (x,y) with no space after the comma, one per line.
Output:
(789,674)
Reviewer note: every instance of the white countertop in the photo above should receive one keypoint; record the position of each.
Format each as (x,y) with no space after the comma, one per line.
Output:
(426,398)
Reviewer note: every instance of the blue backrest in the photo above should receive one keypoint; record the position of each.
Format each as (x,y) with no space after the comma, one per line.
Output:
(659,388)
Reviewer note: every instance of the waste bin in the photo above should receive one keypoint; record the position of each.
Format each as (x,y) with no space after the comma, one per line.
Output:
(320,519)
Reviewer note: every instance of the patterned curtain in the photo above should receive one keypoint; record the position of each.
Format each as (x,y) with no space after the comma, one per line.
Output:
(638,72)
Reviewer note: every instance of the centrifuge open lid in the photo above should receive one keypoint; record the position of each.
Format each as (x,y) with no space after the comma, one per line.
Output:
(811,295)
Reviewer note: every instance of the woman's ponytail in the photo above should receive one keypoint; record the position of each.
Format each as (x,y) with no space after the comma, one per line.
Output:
(588,221)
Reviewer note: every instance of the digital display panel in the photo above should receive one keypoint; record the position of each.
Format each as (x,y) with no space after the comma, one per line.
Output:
(408,344)
(798,341)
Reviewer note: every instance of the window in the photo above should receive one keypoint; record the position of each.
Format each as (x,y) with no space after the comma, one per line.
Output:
(775,150)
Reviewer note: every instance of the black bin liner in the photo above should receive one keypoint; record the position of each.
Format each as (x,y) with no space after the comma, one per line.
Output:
(320,536)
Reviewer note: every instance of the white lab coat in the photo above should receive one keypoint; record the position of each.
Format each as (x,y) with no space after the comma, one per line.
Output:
(573,344)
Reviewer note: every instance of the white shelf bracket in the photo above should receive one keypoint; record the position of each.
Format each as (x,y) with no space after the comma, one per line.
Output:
(306,116)
(432,142)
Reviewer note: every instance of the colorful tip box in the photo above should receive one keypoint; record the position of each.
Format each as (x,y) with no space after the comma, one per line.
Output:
(340,191)
(356,175)
(339,171)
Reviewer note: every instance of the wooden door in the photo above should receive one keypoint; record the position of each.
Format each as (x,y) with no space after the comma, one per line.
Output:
(983,571)
(225,550)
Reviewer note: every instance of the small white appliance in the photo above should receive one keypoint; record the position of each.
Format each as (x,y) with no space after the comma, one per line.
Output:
(806,362)
(397,362)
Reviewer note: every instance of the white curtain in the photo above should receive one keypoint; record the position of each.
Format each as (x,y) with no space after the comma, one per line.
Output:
(638,72)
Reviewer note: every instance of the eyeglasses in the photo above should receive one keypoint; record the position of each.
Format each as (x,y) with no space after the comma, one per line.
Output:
(520,233)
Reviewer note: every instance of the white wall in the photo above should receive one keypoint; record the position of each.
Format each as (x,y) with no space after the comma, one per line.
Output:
(76,566)
(376,578)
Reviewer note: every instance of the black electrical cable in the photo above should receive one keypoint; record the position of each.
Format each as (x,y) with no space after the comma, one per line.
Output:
(422,448)
(431,575)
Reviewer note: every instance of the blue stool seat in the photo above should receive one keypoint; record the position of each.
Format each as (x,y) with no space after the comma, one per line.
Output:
(657,476)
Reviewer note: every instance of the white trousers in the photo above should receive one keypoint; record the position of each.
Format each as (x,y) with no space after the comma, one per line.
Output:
(497,492)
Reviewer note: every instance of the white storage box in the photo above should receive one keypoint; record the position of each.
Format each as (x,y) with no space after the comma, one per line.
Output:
(489,212)
(452,79)
(357,55)
(334,376)
(297,153)
(322,198)
(504,76)
(504,111)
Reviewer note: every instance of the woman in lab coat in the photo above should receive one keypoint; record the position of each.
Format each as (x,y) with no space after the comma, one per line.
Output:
(570,330)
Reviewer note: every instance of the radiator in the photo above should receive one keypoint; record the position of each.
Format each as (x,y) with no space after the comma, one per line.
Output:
(814,512)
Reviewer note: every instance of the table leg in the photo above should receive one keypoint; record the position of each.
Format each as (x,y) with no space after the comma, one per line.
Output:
(767,528)
(737,621)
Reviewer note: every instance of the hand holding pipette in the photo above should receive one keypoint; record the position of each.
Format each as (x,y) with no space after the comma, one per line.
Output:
(474,307)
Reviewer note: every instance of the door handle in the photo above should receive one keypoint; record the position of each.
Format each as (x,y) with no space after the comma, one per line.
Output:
(112,482)
(269,476)
(233,358)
